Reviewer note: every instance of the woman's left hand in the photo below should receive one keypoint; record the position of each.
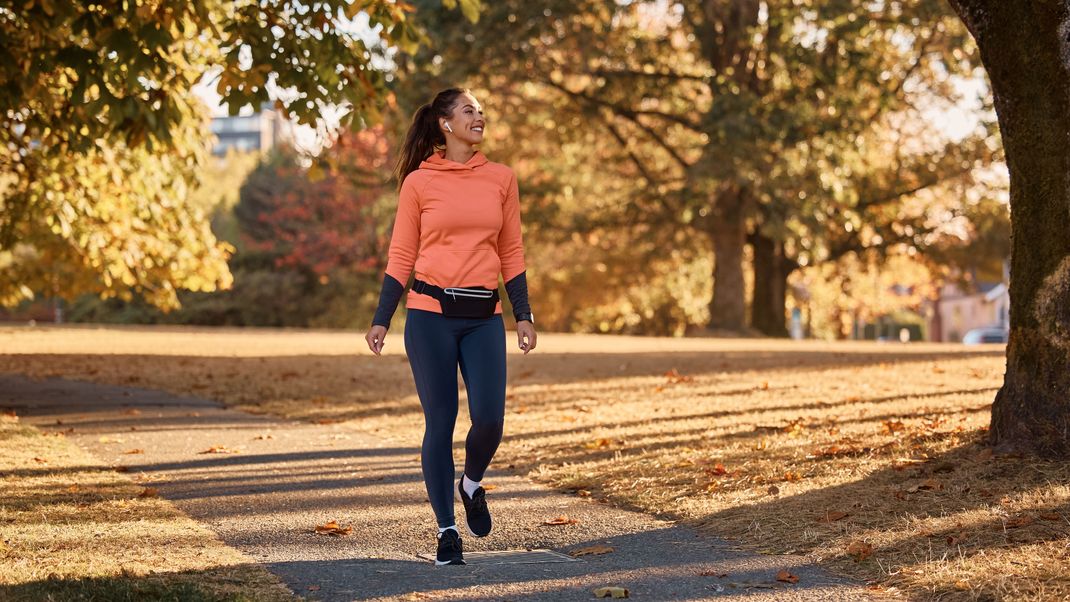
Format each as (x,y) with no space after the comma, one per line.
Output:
(525,329)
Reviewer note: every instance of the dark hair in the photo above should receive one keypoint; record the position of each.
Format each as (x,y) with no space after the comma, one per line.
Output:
(423,135)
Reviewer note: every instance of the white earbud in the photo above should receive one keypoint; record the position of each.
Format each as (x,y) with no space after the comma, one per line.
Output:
(448,128)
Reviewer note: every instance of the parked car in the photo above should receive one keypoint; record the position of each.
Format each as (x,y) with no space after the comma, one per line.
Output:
(985,335)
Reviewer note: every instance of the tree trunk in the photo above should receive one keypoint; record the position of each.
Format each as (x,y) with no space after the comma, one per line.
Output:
(727,228)
(1025,47)
(771,271)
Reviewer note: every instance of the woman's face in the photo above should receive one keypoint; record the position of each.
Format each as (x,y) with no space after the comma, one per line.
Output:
(466,121)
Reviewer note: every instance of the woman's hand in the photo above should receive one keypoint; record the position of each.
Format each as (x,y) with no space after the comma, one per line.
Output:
(525,329)
(376,338)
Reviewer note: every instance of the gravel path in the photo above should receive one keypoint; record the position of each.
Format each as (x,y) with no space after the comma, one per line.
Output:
(288,477)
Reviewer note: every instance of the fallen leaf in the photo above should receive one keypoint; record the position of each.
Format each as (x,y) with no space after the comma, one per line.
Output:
(149,492)
(220,449)
(832,516)
(794,428)
(859,550)
(962,585)
(1019,521)
(134,451)
(591,551)
(40,460)
(933,484)
(984,455)
(611,592)
(121,468)
(333,528)
(132,412)
(675,377)
(107,439)
(792,476)
(1051,516)
(262,437)
(718,469)
(889,427)
(313,588)
(773,490)
(489,487)
(73,489)
(711,573)
(583,493)
(786,577)
(763,444)
(560,520)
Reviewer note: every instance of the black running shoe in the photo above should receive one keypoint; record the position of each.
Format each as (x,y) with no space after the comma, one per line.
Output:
(477,517)
(449,548)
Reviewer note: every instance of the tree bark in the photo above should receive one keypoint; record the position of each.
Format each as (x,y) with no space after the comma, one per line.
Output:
(727,228)
(771,271)
(1025,48)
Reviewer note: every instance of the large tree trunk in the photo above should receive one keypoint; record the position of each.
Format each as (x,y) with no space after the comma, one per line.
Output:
(771,271)
(1025,47)
(727,228)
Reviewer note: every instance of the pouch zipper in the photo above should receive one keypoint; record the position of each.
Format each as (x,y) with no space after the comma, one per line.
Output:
(479,294)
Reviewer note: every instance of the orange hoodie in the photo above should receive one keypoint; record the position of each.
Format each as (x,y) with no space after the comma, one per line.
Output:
(458,224)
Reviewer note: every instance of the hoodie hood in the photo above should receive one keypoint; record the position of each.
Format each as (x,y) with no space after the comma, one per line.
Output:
(438,162)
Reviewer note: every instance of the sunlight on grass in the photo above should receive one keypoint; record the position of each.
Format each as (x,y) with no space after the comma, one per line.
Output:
(75,529)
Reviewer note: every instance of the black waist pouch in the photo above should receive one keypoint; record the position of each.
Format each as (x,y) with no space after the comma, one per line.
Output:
(461,302)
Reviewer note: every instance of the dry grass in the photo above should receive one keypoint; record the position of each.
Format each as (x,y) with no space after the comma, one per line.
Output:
(811,447)
(73,529)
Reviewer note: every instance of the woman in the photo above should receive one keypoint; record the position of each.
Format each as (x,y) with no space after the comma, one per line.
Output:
(458,225)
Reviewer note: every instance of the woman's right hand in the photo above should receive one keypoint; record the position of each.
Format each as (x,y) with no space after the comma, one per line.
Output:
(376,337)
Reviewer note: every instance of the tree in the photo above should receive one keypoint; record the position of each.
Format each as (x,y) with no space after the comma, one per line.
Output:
(1025,48)
(705,100)
(322,225)
(83,83)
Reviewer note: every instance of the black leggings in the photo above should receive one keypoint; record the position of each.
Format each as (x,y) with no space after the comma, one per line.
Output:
(435,344)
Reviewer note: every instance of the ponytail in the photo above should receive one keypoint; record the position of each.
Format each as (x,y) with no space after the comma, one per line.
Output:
(424,137)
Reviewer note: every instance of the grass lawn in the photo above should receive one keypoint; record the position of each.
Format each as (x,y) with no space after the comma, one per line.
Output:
(867,457)
(74,529)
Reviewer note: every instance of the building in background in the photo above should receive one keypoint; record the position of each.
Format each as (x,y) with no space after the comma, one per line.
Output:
(957,311)
(259,131)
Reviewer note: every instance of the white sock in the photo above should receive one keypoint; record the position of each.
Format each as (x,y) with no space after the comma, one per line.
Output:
(469,485)
(442,530)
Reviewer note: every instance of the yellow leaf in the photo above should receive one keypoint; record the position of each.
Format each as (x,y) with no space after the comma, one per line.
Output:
(333,528)
(611,592)
(591,551)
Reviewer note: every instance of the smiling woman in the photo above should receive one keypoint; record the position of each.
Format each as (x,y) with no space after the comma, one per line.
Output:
(458,227)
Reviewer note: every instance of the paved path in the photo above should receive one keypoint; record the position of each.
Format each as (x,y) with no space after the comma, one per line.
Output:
(289,477)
